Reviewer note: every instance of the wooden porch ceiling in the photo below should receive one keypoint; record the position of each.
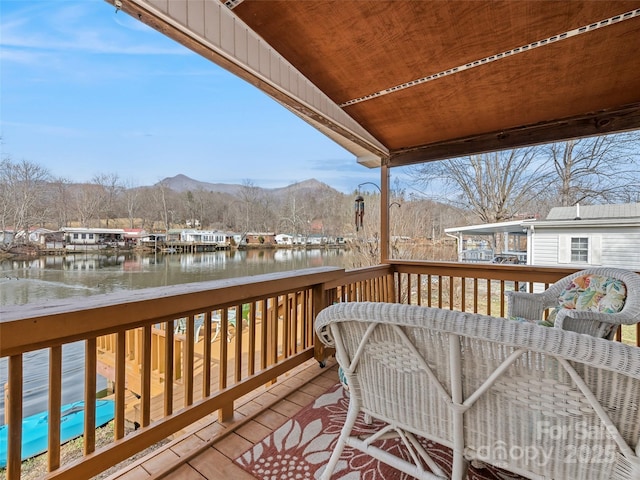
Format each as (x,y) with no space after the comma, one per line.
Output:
(414,81)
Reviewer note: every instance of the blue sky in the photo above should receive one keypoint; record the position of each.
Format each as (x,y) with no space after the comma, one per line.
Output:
(88,91)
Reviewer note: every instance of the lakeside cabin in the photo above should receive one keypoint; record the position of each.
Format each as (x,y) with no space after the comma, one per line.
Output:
(93,238)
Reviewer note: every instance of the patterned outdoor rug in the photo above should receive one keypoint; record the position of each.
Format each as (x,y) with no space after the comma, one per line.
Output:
(301,448)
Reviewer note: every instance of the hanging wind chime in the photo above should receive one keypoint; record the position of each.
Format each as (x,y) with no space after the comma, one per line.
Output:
(359,211)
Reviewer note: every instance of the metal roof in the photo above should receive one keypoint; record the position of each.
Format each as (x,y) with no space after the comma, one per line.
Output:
(402,82)
(593,212)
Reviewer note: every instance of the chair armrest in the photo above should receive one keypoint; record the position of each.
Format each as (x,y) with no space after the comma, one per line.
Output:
(525,305)
(591,323)
(610,318)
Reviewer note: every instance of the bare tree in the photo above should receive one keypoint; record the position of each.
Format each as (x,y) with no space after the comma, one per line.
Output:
(161,195)
(22,186)
(60,202)
(250,197)
(130,199)
(597,169)
(86,200)
(109,187)
(493,186)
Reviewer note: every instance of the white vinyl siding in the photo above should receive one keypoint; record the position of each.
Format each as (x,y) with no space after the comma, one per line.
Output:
(611,247)
(596,250)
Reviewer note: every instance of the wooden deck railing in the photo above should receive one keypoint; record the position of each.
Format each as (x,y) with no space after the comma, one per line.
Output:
(476,287)
(186,351)
(190,350)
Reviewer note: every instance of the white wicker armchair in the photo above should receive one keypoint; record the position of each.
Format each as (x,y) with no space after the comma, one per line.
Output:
(598,324)
(538,402)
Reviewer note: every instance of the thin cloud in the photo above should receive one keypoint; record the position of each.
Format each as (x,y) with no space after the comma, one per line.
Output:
(36,128)
(74,29)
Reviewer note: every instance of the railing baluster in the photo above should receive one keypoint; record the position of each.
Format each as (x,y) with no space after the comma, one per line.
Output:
(206,351)
(300,321)
(238,344)
(90,374)
(475,295)
(224,347)
(169,372)
(120,382)
(189,358)
(264,336)
(451,292)
(488,296)
(463,290)
(252,338)
(55,403)
(283,320)
(275,332)
(13,413)
(145,400)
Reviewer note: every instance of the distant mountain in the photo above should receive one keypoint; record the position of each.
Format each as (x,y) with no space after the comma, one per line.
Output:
(181,183)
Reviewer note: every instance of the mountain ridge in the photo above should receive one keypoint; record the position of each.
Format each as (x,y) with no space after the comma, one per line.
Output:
(182,183)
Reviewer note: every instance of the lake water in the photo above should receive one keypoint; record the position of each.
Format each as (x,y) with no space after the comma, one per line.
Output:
(53,277)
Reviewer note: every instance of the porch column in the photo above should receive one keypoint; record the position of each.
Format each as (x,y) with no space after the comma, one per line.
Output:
(384,213)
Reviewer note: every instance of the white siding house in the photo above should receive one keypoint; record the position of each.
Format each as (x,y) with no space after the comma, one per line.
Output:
(93,238)
(213,237)
(584,236)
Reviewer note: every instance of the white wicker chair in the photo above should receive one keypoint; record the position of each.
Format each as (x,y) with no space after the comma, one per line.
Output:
(532,305)
(539,402)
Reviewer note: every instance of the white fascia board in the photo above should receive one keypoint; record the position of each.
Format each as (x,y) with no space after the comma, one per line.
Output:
(607,222)
(514,226)
(214,26)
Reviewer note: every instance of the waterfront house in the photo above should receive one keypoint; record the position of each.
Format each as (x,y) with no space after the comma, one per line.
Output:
(81,239)
(395,84)
(316,240)
(284,239)
(259,238)
(204,237)
(153,240)
(36,235)
(133,236)
(291,239)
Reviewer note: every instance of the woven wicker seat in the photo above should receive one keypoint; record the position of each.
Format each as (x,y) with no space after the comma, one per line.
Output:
(579,319)
(539,402)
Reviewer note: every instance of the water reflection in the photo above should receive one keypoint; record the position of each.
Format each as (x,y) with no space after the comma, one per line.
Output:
(52,277)
(79,275)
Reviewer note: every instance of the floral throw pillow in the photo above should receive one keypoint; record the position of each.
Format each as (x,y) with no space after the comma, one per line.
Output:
(594,293)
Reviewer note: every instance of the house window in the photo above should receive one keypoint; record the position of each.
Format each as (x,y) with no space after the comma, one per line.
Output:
(580,249)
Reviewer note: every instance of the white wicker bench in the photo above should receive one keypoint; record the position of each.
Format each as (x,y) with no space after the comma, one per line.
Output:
(539,402)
